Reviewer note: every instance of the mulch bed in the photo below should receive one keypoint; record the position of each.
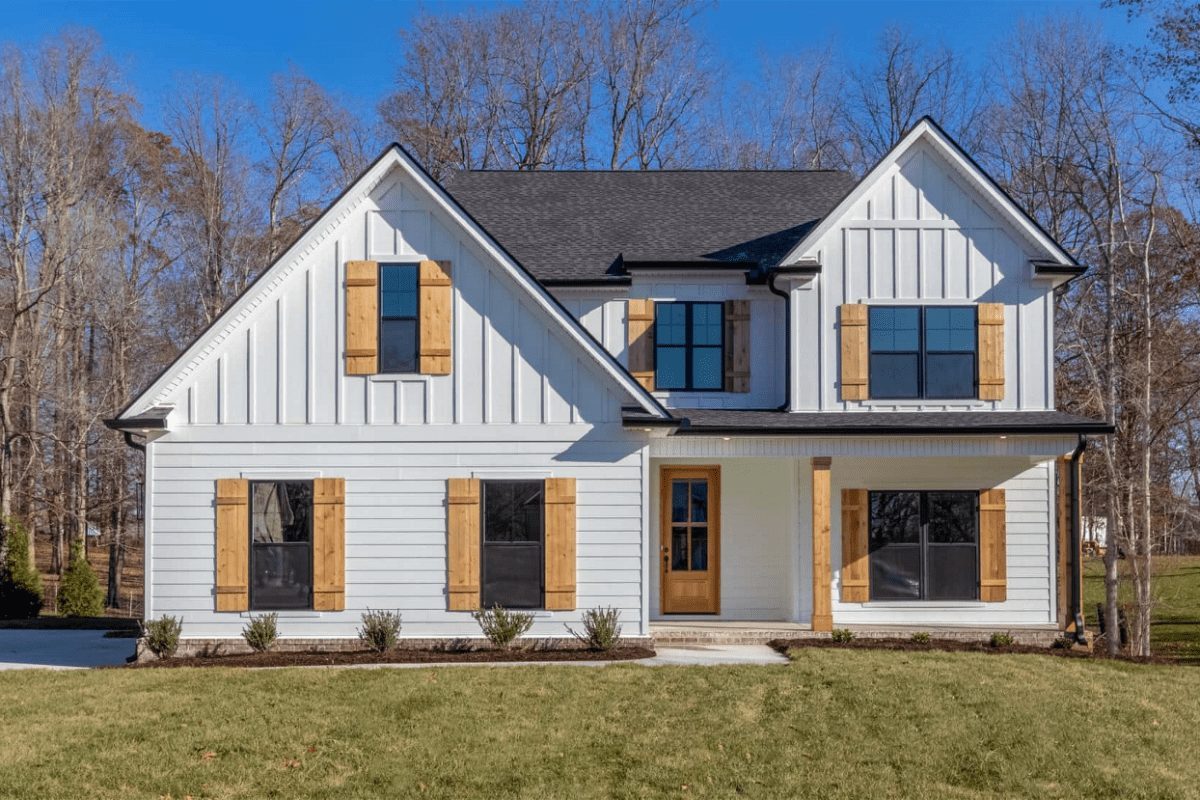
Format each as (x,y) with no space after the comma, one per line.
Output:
(53,623)
(400,656)
(957,646)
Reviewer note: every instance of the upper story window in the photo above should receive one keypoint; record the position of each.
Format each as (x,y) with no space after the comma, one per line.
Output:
(689,346)
(922,352)
(398,339)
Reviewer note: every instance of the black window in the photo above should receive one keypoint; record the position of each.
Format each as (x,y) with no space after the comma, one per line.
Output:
(689,341)
(924,546)
(922,352)
(398,318)
(280,544)
(513,512)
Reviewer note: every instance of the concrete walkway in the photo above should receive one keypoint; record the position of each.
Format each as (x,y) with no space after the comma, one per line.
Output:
(60,649)
(706,655)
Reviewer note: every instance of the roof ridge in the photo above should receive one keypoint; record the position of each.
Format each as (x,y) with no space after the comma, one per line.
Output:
(702,170)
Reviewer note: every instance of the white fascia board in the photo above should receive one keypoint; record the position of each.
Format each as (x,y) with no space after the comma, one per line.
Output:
(928,130)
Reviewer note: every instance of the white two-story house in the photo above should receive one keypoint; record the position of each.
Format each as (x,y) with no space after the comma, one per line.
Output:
(721,396)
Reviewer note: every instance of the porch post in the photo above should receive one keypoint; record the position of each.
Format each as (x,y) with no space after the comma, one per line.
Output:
(822,611)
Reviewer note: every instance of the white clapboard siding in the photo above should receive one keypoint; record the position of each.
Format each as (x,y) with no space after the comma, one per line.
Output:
(395,521)
(282,363)
(922,233)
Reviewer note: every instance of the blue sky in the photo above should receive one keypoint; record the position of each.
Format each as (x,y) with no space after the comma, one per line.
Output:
(350,46)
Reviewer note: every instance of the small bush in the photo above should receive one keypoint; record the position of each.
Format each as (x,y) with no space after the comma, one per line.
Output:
(601,629)
(842,635)
(921,637)
(80,594)
(380,630)
(1001,639)
(162,635)
(1062,642)
(20,584)
(261,632)
(501,626)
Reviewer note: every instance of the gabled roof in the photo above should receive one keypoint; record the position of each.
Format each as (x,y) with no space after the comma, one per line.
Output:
(394,156)
(589,226)
(929,131)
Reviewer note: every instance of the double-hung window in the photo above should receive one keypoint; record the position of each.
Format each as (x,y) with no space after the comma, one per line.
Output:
(689,346)
(922,352)
(513,536)
(924,545)
(281,544)
(398,300)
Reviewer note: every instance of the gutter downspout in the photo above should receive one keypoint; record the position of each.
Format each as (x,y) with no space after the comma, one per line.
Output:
(1077,544)
(131,443)
(787,338)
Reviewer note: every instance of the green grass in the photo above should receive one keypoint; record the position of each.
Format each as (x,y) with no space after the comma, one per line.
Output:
(1175,625)
(832,724)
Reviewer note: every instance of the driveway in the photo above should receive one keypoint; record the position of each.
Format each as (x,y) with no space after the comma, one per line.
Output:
(61,649)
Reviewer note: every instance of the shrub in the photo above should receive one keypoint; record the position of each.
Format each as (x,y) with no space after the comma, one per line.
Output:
(20,584)
(501,626)
(380,630)
(80,594)
(601,629)
(261,632)
(1062,642)
(162,635)
(1001,639)
(921,637)
(842,635)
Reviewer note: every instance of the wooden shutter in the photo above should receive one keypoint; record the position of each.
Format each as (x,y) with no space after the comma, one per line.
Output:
(990,323)
(993,557)
(463,545)
(560,543)
(362,317)
(233,544)
(436,324)
(856,572)
(737,346)
(640,324)
(855,357)
(329,544)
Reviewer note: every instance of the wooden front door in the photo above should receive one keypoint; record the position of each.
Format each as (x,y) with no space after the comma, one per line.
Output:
(690,540)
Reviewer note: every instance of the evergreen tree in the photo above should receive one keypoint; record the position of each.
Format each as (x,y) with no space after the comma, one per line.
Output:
(20,584)
(80,594)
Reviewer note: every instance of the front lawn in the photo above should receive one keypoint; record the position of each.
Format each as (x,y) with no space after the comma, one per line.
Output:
(1175,624)
(834,723)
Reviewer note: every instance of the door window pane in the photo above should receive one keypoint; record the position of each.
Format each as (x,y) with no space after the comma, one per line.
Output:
(699,548)
(513,513)
(679,548)
(699,495)
(280,544)
(679,501)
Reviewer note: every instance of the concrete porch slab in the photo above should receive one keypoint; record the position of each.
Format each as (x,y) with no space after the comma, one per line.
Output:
(707,655)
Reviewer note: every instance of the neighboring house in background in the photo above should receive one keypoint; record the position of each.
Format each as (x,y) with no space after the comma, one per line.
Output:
(689,395)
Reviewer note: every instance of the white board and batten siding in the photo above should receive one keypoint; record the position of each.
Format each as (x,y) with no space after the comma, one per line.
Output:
(269,398)
(604,315)
(921,234)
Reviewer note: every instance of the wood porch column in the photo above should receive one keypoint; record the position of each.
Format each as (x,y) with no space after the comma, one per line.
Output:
(1065,514)
(822,610)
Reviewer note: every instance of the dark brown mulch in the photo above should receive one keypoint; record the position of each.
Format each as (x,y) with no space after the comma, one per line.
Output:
(956,646)
(53,623)
(401,656)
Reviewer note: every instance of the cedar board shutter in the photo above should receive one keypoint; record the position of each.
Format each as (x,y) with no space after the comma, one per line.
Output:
(436,324)
(329,544)
(362,317)
(990,329)
(233,544)
(855,356)
(993,558)
(737,346)
(856,572)
(559,498)
(463,544)
(640,329)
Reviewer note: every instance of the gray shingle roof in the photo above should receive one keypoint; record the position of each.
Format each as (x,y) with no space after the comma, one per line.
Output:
(575,225)
(716,421)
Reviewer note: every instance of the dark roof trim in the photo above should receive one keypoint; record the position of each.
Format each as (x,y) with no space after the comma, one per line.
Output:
(154,419)
(616,280)
(688,264)
(1054,268)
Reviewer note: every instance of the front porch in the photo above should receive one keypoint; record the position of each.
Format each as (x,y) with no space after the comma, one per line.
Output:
(670,634)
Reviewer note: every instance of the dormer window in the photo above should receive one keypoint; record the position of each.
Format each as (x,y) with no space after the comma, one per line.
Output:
(398,336)
(689,346)
(922,352)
